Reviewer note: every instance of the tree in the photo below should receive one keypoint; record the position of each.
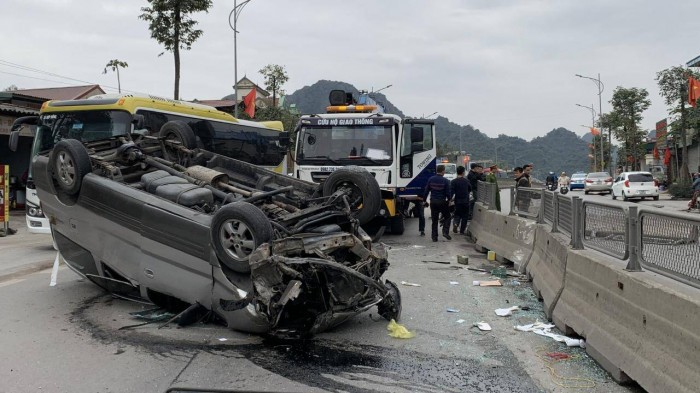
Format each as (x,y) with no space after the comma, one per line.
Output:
(628,105)
(171,25)
(11,88)
(115,65)
(275,76)
(673,86)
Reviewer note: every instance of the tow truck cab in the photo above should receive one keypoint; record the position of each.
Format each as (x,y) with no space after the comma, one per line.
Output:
(398,152)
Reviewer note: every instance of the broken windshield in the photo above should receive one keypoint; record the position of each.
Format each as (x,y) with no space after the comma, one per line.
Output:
(371,144)
(85,126)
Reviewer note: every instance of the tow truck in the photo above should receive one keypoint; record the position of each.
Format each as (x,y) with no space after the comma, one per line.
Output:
(399,152)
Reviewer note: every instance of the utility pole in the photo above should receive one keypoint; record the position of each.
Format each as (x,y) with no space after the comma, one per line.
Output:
(601,87)
(235,13)
(595,159)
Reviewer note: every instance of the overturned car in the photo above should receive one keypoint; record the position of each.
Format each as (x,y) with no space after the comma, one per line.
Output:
(263,252)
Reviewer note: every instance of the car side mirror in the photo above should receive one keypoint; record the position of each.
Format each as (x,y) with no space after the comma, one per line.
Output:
(416,134)
(14,140)
(284,139)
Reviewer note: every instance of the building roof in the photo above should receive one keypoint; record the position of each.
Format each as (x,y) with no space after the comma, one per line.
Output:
(217,103)
(16,109)
(694,63)
(245,82)
(62,93)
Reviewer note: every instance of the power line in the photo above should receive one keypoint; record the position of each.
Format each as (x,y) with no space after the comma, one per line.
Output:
(33,77)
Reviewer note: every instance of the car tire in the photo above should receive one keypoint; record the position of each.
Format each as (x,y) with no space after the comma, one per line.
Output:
(587,192)
(613,196)
(69,162)
(180,131)
(656,198)
(360,182)
(624,197)
(237,229)
(397,225)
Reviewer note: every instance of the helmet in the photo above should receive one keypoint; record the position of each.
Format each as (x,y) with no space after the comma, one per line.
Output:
(551,173)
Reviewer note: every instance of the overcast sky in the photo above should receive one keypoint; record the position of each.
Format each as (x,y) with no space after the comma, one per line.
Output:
(505,67)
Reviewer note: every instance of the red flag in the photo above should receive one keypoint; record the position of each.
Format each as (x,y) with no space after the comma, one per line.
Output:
(595,131)
(249,102)
(693,91)
(656,153)
(667,157)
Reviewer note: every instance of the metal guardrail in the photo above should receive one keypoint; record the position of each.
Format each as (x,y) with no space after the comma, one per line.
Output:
(528,201)
(605,229)
(565,216)
(670,245)
(481,195)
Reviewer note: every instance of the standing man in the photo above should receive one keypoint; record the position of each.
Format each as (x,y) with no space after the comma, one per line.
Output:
(491,178)
(527,169)
(419,206)
(439,190)
(476,174)
(460,192)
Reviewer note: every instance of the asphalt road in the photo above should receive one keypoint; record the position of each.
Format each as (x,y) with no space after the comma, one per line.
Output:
(67,338)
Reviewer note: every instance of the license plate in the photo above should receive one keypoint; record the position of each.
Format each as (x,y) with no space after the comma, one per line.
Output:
(642,192)
(598,182)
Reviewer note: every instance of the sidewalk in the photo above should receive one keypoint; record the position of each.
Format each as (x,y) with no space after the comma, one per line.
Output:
(24,252)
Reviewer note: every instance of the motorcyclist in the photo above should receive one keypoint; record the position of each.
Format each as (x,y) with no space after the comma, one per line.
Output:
(564,180)
(551,180)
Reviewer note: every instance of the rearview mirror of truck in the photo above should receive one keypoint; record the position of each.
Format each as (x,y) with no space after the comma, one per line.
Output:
(14,140)
(284,139)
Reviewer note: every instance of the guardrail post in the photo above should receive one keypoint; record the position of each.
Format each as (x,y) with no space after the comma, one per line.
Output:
(492,195)
(512,201)
(576,224)
(540,213)
(555,219)
(634,235)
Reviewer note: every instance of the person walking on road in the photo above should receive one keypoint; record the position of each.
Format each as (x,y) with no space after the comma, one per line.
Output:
(460,194)
(476,174)
(419,208)
(491,178)
(696,193)
(439,190)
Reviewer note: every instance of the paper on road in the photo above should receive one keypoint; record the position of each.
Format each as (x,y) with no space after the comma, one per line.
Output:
(504,312)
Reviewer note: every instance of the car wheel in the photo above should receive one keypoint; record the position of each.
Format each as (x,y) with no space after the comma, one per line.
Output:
(586,192)
(656,198)
(624,197)
(613,196)
(69,162)
(364,194)
(237,229)
(178,131)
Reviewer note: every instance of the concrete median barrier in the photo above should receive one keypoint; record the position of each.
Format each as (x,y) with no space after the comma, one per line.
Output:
(638,325)
(509,237)
(547,266)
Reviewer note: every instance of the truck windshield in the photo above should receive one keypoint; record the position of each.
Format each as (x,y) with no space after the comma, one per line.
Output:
(370,144)
(85,126)
(450,169)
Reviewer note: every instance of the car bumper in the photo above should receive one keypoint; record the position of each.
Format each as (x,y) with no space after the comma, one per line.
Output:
(598,187)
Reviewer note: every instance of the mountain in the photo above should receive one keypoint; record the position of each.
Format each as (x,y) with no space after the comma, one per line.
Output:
(559,150)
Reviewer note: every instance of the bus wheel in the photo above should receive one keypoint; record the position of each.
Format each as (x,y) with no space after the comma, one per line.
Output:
(397,224)
(69,162)
(178,131)
(237,229)
(362,189)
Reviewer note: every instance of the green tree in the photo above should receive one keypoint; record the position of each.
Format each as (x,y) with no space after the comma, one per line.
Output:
(628,105)
(171,25)
(673,86)
(115,65)
(275,77)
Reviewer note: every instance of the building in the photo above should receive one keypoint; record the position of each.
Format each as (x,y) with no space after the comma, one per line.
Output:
(245,86)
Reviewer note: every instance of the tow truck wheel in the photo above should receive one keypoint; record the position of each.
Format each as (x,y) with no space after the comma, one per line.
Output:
(397,224)
(69,162)
(364,193)
(237,229)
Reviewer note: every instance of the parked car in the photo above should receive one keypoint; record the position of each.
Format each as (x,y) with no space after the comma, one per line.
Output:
(578,181)
(208,234)
(640,185)
(598,182)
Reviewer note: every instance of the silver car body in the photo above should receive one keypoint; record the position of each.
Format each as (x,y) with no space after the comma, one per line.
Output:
(598,182)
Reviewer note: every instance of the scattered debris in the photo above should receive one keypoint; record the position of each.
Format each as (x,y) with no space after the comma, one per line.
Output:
(558,355)
(494,283)
(398,331)
(504,312)
(499,272)
(460,321)
(476,269)
(543,329)
(443,262)
(462,259)
(54,271)
(483,326)
(452,310)
(491,255)
(223,339)
(454,282)
(446,268)
(410,284)
(476,283)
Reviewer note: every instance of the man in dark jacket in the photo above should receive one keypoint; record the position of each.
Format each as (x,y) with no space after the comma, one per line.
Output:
(461,189)
(475,175)
(439,189)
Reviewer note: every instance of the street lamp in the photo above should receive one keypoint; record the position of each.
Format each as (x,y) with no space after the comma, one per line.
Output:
(601,87)
(235,13)
(383,88)
(595,160)
(434,113)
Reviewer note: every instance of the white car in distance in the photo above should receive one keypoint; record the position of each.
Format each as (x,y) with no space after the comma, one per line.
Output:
(630,185)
